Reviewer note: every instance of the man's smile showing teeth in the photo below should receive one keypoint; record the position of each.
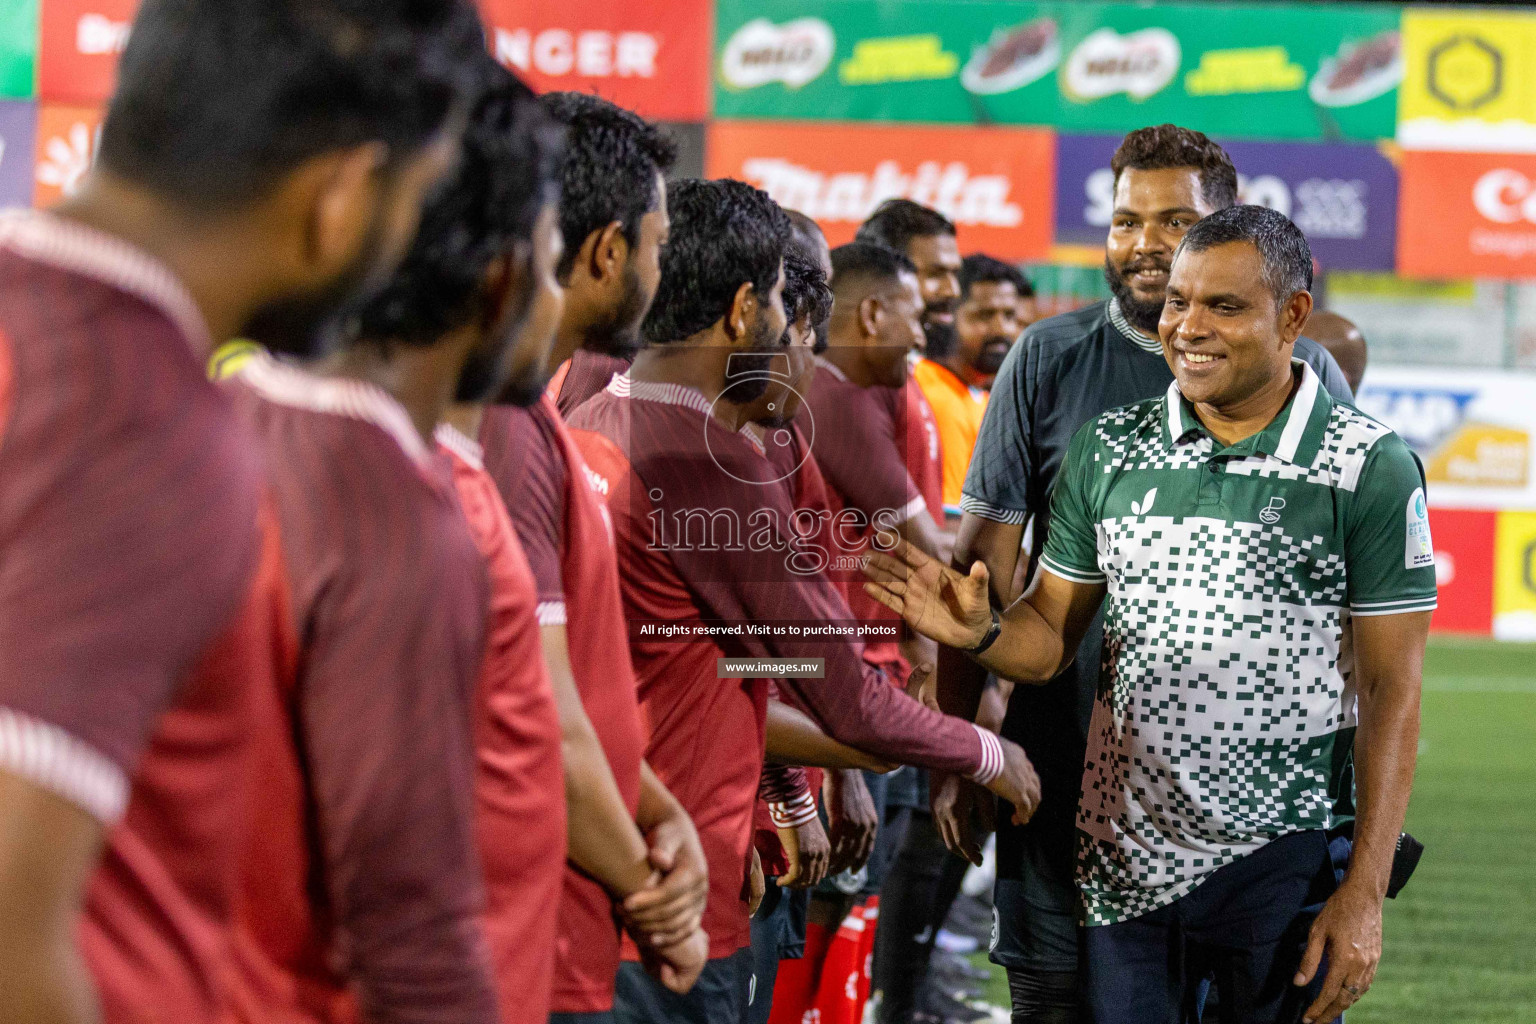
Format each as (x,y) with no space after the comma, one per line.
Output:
(1196,357)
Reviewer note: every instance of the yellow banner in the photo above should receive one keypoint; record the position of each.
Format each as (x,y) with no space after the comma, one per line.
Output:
(1514,583)
(1469,81)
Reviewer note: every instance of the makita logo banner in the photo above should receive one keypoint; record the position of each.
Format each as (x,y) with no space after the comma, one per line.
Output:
(997,186)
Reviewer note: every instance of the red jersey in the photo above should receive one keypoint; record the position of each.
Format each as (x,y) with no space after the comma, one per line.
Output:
(863,448)
(662,456)
(923,449)
(361,888)
(129,506)
(557,509)
(582,376)
(519,784)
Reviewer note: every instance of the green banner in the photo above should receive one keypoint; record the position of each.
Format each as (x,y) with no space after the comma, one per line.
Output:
(18,49)
(1321,71)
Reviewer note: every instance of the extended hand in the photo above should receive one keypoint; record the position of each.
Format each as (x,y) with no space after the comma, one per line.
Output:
(1349,930)
(852,820)
(668,913)
(807,849)
(932,598)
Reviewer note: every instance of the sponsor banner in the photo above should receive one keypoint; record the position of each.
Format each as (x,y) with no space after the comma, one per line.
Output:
(66,147)
(1469,81)
(18,48)
(1459,322)
(18,129)
(1343,196)
(1463,569)
(995,184)
(1243,70)
(1467,215)
(650,57)
(1514,583)
(1474,430)
(81,42)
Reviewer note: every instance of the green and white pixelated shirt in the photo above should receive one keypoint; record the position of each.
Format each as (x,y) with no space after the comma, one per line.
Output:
(1225,709)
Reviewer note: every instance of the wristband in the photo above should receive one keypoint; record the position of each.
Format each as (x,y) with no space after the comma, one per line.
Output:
(993,633)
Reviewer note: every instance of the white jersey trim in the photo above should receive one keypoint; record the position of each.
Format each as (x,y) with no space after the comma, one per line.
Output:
(460,444)
(49,757)
(550,613)
(338,396)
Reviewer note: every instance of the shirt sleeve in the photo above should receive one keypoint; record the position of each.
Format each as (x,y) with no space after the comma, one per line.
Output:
(860,452)
(1002,462)
(538,515)
(384,708)
(1389,556)
(1072,546)
(787,793)
(128,537)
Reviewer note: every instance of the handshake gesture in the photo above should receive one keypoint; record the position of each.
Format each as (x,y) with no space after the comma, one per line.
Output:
(932,598)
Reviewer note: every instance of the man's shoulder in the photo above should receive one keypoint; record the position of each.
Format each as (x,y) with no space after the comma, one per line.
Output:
(1125,420)
(1056,335)
(1351,440)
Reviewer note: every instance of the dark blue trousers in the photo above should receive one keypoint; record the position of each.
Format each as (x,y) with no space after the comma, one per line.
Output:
(1245,927)
(720,996)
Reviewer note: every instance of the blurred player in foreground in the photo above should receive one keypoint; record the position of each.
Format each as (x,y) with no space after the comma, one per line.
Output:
(129,497)
(1245,495)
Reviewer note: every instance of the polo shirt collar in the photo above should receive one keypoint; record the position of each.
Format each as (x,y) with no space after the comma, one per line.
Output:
(1117,320)
(1293,436)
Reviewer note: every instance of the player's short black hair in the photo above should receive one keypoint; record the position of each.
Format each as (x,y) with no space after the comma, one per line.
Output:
(1167,145)
(611,162)
(1283,248)
(806,231)
(724,233)
(979,268)
(868,261)
(508,172)
(896,222)
(218,100)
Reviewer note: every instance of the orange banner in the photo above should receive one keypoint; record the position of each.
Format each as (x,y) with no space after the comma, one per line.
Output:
(1467,215)
(66,148)
(79,45)
(996,184)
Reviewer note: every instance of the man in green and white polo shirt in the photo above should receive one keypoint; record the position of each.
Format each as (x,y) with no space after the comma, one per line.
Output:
(1266,559)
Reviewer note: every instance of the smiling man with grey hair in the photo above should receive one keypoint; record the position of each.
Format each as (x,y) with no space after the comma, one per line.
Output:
(1263,557)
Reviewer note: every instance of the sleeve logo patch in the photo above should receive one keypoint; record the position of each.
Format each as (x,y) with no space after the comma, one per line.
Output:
(1419,549)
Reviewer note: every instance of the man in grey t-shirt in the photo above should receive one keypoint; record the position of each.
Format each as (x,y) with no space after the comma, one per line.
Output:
(1065,371)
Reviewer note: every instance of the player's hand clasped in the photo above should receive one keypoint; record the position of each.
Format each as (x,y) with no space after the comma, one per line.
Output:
(932,598)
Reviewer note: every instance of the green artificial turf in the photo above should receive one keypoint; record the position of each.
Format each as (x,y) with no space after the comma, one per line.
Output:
(1461,939)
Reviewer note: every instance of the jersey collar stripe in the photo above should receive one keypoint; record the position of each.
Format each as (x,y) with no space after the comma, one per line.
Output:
(831,368)
(67,767)
(996,513)
(1145,342)
(550,613)
(1300,416)
(454,439)
(48,238)
(624,386)
(354,399)
(1174,404)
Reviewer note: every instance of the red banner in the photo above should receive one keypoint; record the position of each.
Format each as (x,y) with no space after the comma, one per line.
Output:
(79,46)
(1467,215)
(650,57)
(1464,569)
(996,184)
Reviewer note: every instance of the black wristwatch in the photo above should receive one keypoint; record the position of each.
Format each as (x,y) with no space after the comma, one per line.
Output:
(993,633)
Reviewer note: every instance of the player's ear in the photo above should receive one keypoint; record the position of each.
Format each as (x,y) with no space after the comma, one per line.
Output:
(505,286)
(324,208)
(610,252)
(1293,316)
(742,312)
(869,316)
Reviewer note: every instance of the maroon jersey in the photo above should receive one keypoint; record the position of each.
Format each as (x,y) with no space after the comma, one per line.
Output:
(660,453)
(582,376)
(862,444)
(129,500)
(519,780)
(362,882)
(556,505)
